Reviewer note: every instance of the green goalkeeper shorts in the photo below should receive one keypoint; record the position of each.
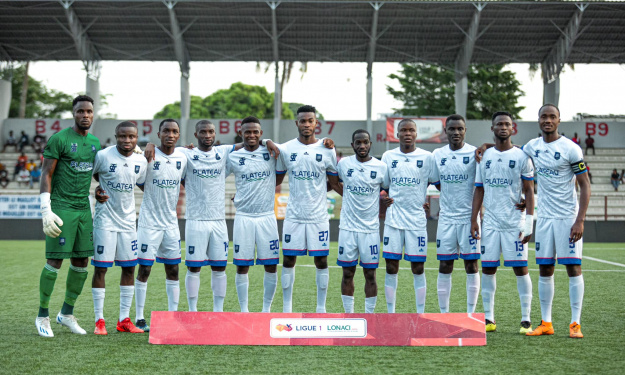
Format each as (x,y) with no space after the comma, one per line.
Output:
(76,238)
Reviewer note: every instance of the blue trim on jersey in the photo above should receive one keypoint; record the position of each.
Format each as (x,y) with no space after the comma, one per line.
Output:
(267,262)
(101,264)
(280,172)
(479,184)
(584,171)
(168,261)
(436,183)
(394,256)
(414,258)
(233,148)
(332,173)
(217,263)
(319,253)
(515,263)
(569,260)
(446,256)
(490,263)
(472,256)
(527,178)
(145,262)
(351,263)
(546,261)
(293,252)
(195,263)
(243,262)
(138,184)
(126,263)
(369,265)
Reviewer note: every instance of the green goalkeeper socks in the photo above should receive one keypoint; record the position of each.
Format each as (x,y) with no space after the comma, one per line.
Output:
(75,281)
(46,286)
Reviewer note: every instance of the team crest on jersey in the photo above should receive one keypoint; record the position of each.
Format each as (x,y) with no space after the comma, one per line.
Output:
(419,163)
(349,172)
(443,161)
(217,156)
(93,148)
(112,168)
(178,164)
(512,163)
(483,249)
(537,246)
(319,157)
(438,243)
(287,238)
(74,147)
(100,249)
(488,164)
(266,155)
(196,157)
(236,248)
(293,156)
(556,156)
(137,169)
(394,164)
(465,160)
(62,241)
(341,250)
(191,249)
(242,161)
(373,174)
(157,165)
(386,240)
(144,248)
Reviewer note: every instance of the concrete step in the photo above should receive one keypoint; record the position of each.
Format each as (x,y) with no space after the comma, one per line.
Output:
(591,159)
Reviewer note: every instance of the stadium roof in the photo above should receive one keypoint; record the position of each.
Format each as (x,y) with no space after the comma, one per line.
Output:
(313,30)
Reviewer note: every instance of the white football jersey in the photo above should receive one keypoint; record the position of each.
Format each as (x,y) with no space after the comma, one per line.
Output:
(205,183)
(255,180)
(501,175)
(118,176)
(307,166)
(407,178)
(556,165)
(456,171)
(361,193)
(162,189)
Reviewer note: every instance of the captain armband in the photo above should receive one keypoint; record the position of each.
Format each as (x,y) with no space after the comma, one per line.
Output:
(579,167)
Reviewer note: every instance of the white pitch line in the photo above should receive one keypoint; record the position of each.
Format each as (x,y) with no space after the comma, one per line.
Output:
(603,261)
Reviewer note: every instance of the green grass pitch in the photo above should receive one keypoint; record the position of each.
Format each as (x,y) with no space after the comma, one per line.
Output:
(601,350)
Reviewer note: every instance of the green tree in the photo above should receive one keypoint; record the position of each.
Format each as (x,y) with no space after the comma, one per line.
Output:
(41,102)
(428,90)
(238,101)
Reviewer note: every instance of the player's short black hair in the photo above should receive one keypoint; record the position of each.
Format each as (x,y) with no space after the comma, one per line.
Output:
(360,131)
(406,120)
(455,117)
(307,108)
(549,105)
(168,120)
(126,124)
(203,122)
(82,98)
(250,120)
(501,113)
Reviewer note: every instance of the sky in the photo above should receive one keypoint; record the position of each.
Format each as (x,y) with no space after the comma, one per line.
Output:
(140,89)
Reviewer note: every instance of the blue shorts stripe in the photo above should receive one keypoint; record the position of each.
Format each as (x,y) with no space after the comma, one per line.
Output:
(388,255)
(195,263)
(168,261)
(293,252)
(126,263)
(446,256)
(243,262)
(101,264)
(490,263)
(319,253)
(415,258)
(369,265)
(347,264)
(472,256)
(145,262)
(515,263)
(546,261)
(268,261)
(569,261)
(216,263)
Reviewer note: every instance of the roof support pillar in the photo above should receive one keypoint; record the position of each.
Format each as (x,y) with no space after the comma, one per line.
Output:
(5,102)
(277,92)
(463,60)
(370,58)
(554,62)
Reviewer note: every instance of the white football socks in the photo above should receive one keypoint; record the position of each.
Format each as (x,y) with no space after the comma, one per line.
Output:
(443,288)
(98,302)
(524,286)
(370,304)
(288,279)
(192,285)
(545,294)
(242,283)
(141,289)
(473,289)
(126,292)
(489,286)
(270,283)
(576,295)
(419,291)
(348,303)
(323,278)
(390,291)
(173,294)
(219,283)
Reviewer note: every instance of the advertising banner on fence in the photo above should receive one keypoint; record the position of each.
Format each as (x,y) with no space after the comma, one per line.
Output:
(429,130)
(20,207)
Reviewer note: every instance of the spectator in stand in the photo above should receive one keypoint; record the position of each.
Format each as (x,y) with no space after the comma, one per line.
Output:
(35,176)
(11,141)
(30,166)
(616,178)
(576,140)
(24,141)
(39,142)
(590,143)
(23,177)
(21,164)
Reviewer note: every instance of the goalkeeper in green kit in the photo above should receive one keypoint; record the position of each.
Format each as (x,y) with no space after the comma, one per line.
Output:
(66,213)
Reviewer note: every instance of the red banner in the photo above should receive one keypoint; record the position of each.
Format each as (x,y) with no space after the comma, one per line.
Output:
(429,130)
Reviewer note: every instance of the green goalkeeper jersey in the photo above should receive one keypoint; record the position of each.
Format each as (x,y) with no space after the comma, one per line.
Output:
(72,177)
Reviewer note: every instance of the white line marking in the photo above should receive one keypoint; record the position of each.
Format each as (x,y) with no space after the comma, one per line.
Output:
(604,261)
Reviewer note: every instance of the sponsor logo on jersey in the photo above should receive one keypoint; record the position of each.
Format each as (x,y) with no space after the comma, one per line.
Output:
(443,161)
(287,238)
(304,175)
(191,249)
(74,147)
(157,165)
(488,164)
(284,327)
(358,190)
(126,165)
(293,156)
(241,161)
(512,163)
(394,164)
(405,181)
(556,156)
(373,174)
(341,250)
(498,182)
(266,155)
(100,249)
(319,157)
(112,168)
(256,176)
(349,172)
(82,166)
(207,173)
(137,169)
(465,160)
(419,163)
(62,241)
(546,172)
(178,164)
(119,187)
(166,184)
(454,178)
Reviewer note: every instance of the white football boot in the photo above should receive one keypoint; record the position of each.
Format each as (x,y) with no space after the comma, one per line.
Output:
(70,322)
(43,326)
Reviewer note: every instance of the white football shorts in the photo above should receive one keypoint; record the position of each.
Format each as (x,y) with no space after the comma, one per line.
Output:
(352,244)
(495,243)
(412,243)
(112,246)
(206,243)
(300,239)
(552,238)
(455,239)
(162,245)
(258,233)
